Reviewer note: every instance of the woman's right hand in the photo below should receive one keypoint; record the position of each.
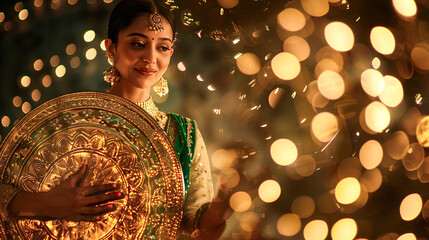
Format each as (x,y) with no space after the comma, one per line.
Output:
(68,201)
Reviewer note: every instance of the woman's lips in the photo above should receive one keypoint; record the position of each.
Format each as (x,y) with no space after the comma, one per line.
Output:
(146,71)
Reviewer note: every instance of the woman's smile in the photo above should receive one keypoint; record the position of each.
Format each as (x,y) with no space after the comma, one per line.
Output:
(147,72)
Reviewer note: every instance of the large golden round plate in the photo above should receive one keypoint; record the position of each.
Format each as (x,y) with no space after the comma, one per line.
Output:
(119,142)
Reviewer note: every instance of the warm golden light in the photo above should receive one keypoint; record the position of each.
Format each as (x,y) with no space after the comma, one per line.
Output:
(71,49)
(316,8)
(314,96)
(411,207)
(326,64)
(248,63)
(249,221)
(60,71)
(291,19)
(275,97)
(23,14)
(285,66)
(344,229)
(227,3)
(2,17)
(371,179)
(377,117)
(406,8)
(269,191)
(5,121)
(331,85)
(392,93)
(382,40)
(371,154)
(347,190)
(339,36)
(422,131)
(423,171)
(25,81)
(283,152)
(414,156)
(298,46)
(17,101)
(26,107)
(397,145)
(181,66)
(289,224)
(36,95)
(372,82)
(305,165)
(91,54)
(240,201)
(222,158)
(303,206)
(75,62)
(38,65)
(89,36)
(349,167)
(420,56)
(46,81)
(316,230)
(407,236)
(54,61)
(38,3)
(324,126)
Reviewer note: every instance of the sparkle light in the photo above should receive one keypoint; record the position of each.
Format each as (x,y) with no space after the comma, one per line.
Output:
(291,19)
(269,191)
(344,229)
(406,8)
(288,224)
(298,46)
(25,81)
(316,8)
(331,85)
(422,131)
(339,36)
(91,54)
(377,116)
(324,126)
(371,154)
(248,63)
(89,36)
(372,82)
(411,207)
(382,40)
(347,190)
(316,230)
(285,66)
(240,201)
(283,152)
(60,71)
(303,206)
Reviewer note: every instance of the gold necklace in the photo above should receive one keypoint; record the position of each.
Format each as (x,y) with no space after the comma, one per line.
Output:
(150,107)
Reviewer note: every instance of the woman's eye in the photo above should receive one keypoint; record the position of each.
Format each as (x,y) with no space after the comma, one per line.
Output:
(164,49)
(138,44)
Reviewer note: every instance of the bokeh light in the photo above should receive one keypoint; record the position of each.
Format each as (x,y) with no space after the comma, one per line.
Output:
(91,54)
(54,61)
(275,96)
(248,63)
(414,156)
(324,126)
(289,224)
(371,154)
(377,117)
(5,121)
(305,165)
(17,101)
(392,93)
(331,85)
(291,19)
(372,82)
(46,81)
(222,158)
(303,206)
(411,207)
(283,152)
(285,66)
(347,190)
(397,145)
(60,71)
(71,49)
(407,236)
(423,171)
(227,3)
(406,8)
(75,62)
(339,36)
(181,66)
(344,229)
(89,36)
(371,179)
(25,81)
(298,46)
(36,95)
(316,230)
(240,201)
(420,56)
(422,131)
(382,40)
(316,8)
(269,191)
(38,65)
(26,107)
(349,167)
(23,14)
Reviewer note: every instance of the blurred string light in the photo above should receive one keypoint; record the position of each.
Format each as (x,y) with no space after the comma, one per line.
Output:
(60,71)
(240,201)
(38,65)
(291,19)
(316,230)
(405,8)
(248,63)
(289,224)
(411,207)
(89,36)
(344,229)
(23,14)
(382,40)
(269,191)
(25,81)
(339,36)
(407,236)
(91,53)
(283,152)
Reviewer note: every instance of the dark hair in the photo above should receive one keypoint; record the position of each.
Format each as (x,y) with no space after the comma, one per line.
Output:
(126,11)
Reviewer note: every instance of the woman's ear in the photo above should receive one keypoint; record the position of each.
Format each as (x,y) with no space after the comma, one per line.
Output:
(171,51)
(110,48)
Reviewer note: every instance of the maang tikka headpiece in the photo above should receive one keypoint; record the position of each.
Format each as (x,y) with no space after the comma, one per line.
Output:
(155,19)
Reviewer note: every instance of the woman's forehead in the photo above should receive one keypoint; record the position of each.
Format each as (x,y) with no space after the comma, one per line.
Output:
(142,25)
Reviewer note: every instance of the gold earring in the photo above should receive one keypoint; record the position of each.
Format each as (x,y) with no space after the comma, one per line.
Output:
(111,75)
(161,87)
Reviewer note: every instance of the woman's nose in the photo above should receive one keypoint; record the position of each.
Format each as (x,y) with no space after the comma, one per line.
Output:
(149,56)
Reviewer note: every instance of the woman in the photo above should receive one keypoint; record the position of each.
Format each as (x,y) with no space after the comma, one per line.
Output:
(139,45)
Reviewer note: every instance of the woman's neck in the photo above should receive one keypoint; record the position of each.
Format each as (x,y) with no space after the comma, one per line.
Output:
(130,92)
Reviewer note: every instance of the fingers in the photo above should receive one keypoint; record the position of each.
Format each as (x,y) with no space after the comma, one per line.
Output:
(101,198)
(76,177)
(99,189)
(98,210)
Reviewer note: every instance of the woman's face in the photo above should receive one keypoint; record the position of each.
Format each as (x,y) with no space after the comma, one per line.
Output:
(142,56)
